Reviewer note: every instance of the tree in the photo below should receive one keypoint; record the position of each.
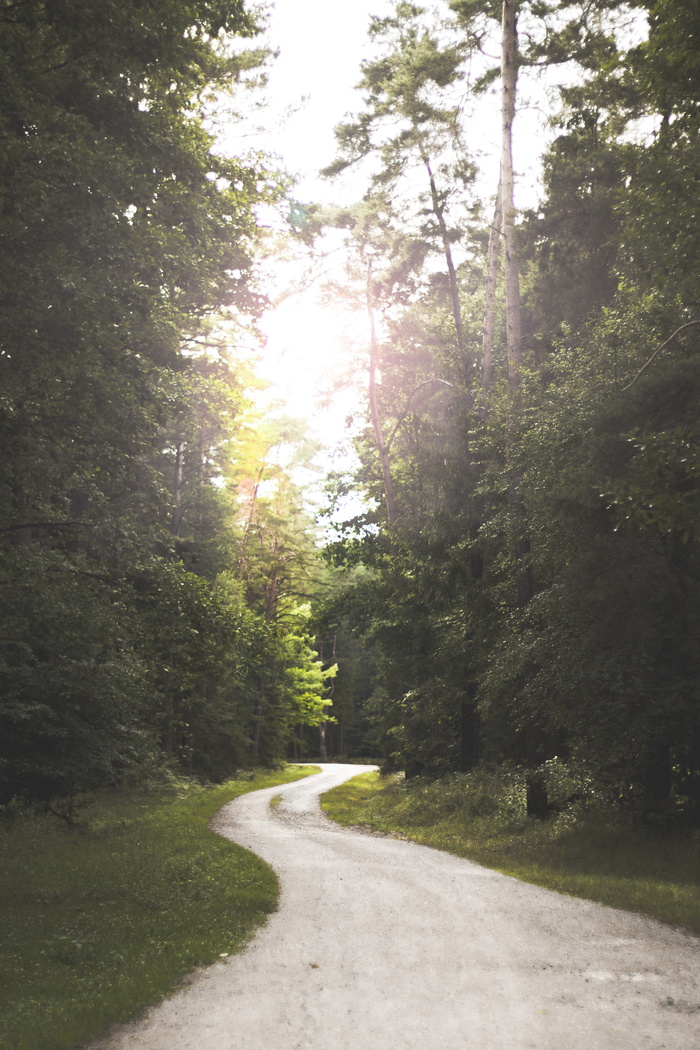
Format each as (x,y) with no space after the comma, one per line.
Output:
(597,676)
(277,566)
(587,421)
(414,132)
(121,228)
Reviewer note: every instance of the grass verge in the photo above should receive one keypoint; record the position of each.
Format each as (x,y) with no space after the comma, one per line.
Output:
(586,854)
(102,920)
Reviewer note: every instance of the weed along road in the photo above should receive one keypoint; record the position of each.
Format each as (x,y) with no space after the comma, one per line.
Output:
(380,944)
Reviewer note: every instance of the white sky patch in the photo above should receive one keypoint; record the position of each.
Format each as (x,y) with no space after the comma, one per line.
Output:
(321,45)
(310,345)
(313,354)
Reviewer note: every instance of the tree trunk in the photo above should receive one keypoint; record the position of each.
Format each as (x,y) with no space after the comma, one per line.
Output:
(658,779)
(178,488)
(374,408)
(439,213)
(537,801)
(258,719)
(692,779)
(509,82)
(240,565)
(469,732)
(493,261)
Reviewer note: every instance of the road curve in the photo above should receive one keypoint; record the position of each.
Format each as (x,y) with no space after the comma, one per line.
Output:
(381,944)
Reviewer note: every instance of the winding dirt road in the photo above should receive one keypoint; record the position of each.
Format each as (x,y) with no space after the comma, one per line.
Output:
(381,944)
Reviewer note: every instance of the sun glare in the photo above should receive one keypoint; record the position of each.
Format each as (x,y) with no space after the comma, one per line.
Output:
(313,360)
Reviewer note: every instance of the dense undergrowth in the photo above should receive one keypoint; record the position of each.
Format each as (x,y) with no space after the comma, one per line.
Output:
(103,917)
(586,850)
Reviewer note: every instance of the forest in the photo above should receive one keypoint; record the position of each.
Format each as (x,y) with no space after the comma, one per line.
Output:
(521,585)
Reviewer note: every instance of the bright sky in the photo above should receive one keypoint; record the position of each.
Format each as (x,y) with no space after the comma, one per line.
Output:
(311,83)
(321,45)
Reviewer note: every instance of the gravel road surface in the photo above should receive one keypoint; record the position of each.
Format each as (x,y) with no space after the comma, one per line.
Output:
(381,944)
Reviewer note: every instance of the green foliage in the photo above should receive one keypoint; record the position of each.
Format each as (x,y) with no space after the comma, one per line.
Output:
(75,698)
(349,735)
(537,594)
(573,238)
(130,630)
(308,682)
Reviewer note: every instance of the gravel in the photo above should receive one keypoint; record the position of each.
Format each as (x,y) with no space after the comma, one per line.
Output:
(381,944)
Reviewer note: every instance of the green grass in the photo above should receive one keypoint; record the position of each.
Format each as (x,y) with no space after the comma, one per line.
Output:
(590,853)
(101,920)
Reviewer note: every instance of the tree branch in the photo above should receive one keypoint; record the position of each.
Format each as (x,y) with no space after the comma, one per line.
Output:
(688,324)
(44,525)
